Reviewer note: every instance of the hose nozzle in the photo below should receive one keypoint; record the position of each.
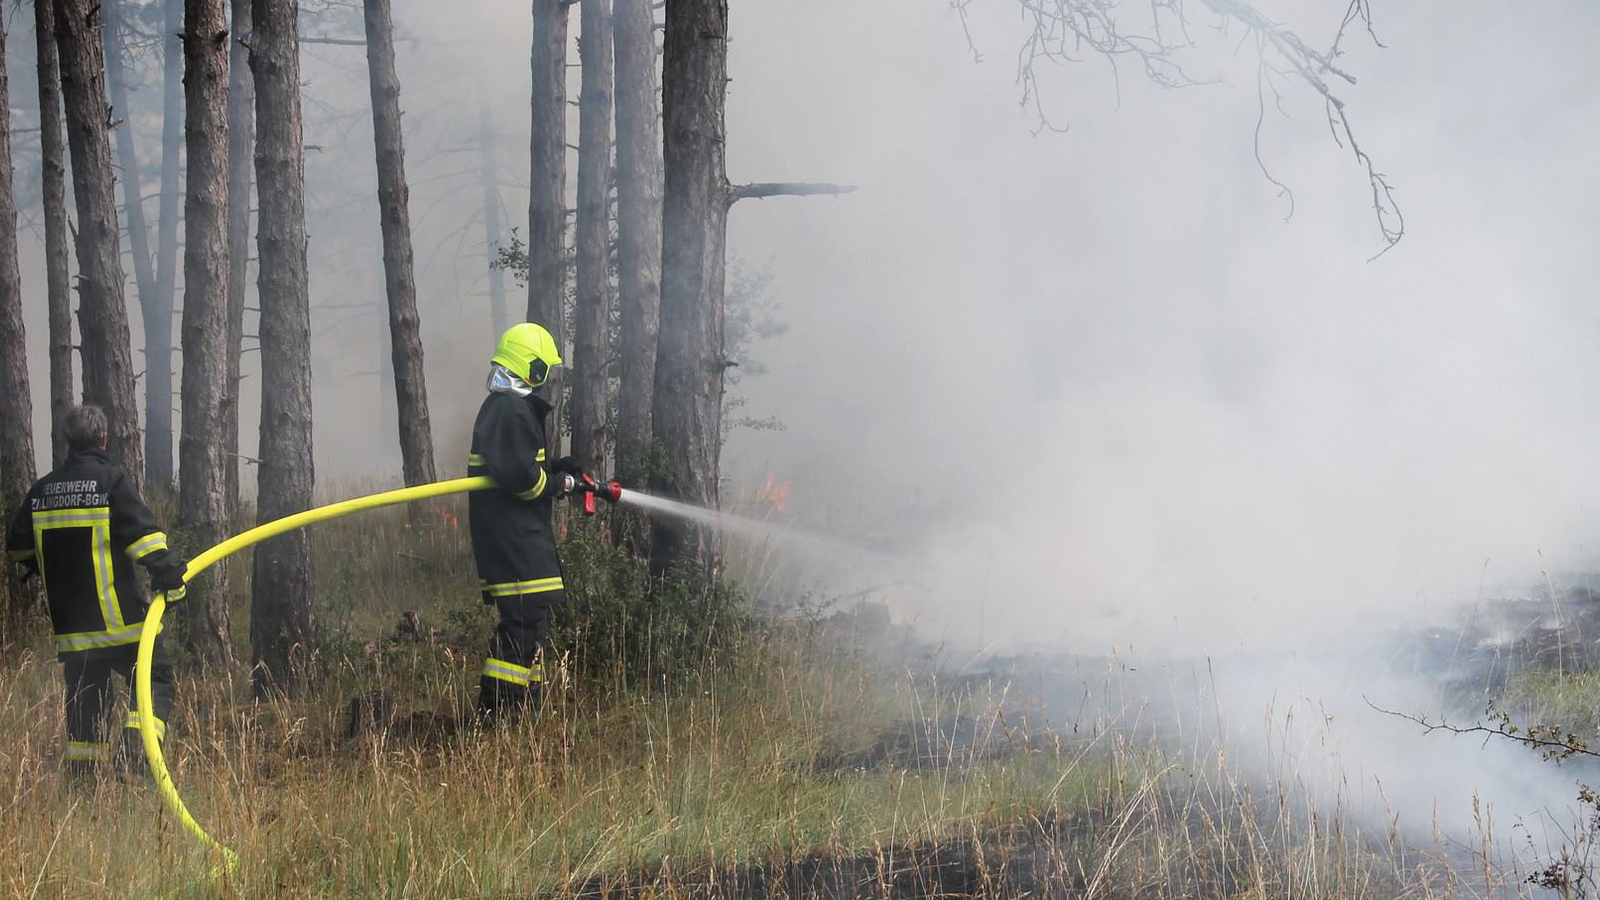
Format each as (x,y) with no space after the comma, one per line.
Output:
(610,491)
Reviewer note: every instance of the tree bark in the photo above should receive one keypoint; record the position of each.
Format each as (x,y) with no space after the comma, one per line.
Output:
(388,411)
(282,633)
(102,311)
(689,363)
(405,326)
(241,150)
(638,243)
(144,277)
(591,399)
(58,272)
(547,200)
(16,403)
(493,237)
(158,314)
(202,493)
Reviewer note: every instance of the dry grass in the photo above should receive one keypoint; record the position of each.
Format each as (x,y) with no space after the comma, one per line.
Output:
(764,771)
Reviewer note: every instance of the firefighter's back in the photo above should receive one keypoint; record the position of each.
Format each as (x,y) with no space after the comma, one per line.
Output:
(81,533)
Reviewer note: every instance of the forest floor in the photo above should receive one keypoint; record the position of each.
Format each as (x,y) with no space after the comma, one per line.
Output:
(686,748)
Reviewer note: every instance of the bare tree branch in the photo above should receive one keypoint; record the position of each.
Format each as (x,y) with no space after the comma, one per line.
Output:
(1069,31)
(337,42)
(762,189)
(1549,740)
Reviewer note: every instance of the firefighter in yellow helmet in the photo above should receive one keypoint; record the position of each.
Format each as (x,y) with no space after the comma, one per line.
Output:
(513,535)
(81,530)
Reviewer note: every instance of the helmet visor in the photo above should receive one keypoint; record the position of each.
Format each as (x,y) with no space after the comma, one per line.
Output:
(504,381)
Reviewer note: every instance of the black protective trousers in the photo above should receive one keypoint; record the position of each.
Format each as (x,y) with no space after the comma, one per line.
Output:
(90,693)
(513,673)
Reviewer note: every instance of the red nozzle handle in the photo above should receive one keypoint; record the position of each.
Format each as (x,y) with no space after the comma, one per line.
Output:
(589,486)
(611,491)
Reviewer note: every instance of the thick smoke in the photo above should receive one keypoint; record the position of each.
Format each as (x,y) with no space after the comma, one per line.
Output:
(1118,397)
(1100,395)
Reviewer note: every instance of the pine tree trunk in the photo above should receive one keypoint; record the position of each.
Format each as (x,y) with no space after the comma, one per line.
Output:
(690,364)
(241,152)
(388,413)
(144,276)
(547,200)
(494,238)
(282,633)
(102,311)
(405,326)
(203,495)
(58,272)
(638,243)
(592,331)
(16,403)
(158,395)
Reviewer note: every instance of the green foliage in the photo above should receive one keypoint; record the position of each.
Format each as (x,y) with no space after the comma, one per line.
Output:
(622,628)
(512,257)
(619,629)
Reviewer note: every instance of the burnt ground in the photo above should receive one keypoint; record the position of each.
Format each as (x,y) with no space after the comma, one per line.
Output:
(1048,696)
(1026,860)
(955,741)
(1545,628)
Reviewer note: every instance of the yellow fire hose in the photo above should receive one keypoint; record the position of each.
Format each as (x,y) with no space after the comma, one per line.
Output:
(158,606)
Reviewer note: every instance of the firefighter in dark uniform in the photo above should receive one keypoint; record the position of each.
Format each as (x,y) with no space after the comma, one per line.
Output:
(513,533)
(81,529)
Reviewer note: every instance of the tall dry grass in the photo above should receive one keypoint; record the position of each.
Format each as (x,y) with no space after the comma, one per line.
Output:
(689,746)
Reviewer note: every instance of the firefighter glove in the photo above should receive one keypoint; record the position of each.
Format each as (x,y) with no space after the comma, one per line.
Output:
(168,578)
(30,569)
(567,465)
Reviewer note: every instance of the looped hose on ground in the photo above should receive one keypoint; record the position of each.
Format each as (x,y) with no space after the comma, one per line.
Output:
(147,642)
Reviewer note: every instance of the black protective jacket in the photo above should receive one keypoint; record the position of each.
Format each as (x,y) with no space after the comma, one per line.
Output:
(513,534)
(83,527)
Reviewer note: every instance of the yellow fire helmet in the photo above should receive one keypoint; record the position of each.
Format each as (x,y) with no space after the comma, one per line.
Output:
(529,352)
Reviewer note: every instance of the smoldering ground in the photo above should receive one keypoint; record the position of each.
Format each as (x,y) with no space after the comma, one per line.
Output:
(1102,396)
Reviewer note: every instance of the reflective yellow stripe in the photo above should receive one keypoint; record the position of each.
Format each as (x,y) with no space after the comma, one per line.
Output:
(476,459)
(98,520)
(536,674)
(90,640)
(133,722)
(150,543)
(86,516)
(533,494)
(506,671)
(106,577)
(20,555)
(513,588)
(87,751)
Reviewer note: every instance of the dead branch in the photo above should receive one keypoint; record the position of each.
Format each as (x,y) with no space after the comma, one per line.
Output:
(1551,742)
(336,42)
(1069,31)
(762,189)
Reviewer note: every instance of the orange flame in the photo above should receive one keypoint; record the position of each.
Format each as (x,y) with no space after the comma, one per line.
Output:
(775,493)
